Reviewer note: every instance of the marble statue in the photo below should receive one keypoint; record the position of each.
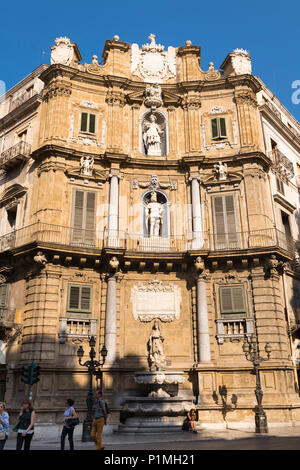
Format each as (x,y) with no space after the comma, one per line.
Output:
(154,215)
(220,169)
(152,133)
(87,165)
(156,357)
(153,98)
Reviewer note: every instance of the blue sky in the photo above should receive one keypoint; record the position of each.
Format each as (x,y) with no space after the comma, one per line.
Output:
(270,30)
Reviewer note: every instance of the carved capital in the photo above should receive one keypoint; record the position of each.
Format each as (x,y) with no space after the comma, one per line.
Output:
(246,97)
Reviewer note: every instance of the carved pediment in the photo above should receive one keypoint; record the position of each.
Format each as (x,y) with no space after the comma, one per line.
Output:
(77,173)
(231,178)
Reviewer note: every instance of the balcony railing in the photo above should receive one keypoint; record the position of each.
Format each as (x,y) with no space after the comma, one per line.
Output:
(22,99)
(234,328)
(79,239)
(7,316)
(77,328)
(10,157)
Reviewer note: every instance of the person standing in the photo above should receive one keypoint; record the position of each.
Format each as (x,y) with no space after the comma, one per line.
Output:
(4,425)
(68,430)
(99,420)
(26,426)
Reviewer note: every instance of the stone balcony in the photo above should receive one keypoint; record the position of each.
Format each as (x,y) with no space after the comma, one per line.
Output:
(282,163)
(77,328)
(233,329)
(69,239)
(14,155)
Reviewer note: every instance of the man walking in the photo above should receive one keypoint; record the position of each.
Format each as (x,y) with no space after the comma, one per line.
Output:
(99,420)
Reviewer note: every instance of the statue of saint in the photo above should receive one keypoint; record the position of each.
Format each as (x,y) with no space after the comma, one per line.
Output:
(154,216)
(221,171)
(87,165)
(152,136)
(156,357)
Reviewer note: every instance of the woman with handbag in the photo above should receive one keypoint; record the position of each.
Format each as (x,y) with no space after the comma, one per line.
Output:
(70,421)
(4,425)
(25,426)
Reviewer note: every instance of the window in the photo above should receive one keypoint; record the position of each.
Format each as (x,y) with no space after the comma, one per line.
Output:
(80,299)
(225,222)
(88,123)
(232,301)
(3,295)
(280,185)
(218,128)
(83,218)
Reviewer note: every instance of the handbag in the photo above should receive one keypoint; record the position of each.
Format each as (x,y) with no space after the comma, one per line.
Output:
(16,426)
(2,435)
(73,422)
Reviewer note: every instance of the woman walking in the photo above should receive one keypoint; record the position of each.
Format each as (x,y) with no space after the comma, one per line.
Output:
(4,425)
(26,426)
(68,429)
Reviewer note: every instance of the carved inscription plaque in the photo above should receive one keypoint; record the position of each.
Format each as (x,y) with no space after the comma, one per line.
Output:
(156,300)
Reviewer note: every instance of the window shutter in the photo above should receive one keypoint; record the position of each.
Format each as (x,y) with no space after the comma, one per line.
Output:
(219,219)
(231,220)
(225,225)
(74,295)
(84,217)
(84,119)
(86,298)
(3,295)
(232,300)
(92,123)
(214,129)
(222,128)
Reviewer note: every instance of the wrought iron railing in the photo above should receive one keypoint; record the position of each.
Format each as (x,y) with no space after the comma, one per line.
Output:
(49,234)
(20,150)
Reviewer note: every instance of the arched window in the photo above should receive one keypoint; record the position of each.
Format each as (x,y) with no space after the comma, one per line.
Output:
(154,133)
(155,214)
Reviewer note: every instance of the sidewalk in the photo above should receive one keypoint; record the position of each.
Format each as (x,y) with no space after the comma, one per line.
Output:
(112,441)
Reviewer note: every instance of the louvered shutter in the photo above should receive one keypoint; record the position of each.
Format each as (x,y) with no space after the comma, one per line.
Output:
(83,218)
(225,225)
(85,299)
(3,295)
(232,301)
(74,296)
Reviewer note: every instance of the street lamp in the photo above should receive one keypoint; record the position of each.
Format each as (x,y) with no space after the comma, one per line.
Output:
(251,351)
(92,369)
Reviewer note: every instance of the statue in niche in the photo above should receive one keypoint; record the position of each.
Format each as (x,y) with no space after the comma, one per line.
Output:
(154,216)
(87,165)
(220,169)
(152,133)
(156,357)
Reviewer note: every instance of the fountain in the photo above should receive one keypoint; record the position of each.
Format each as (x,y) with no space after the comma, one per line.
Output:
(160,408)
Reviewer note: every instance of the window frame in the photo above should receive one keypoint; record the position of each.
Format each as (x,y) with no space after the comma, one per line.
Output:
(220,135)
(88,123)
(79,309)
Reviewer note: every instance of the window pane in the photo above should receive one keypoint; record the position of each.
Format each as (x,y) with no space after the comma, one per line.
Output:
(222,123)
(92,123)
(83,126)
(214,129)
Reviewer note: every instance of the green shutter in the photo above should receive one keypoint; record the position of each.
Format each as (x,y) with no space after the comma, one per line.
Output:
(83,217)
(84,120)
(79,299)
(232,301)
(222,128)
(225,223)
(214,129)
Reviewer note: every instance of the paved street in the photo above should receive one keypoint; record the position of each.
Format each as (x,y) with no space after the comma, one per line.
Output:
(277,439)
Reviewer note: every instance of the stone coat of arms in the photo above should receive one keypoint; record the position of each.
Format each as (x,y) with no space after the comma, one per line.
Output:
(152,63)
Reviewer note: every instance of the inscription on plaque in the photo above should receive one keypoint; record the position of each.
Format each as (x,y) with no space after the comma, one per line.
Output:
(156,300)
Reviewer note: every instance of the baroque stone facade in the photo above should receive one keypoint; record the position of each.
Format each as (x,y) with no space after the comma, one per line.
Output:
(145,189)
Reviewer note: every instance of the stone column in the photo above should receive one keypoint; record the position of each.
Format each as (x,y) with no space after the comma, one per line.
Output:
(113,211)
(202,314)
(196,214)
(111,319)
(111,312)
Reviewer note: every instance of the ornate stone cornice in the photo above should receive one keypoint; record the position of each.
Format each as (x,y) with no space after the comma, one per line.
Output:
(247,97)
(115,98)
(57,89)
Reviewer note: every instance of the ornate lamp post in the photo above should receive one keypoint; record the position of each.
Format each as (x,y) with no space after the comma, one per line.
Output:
(92,369)
(251,351)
